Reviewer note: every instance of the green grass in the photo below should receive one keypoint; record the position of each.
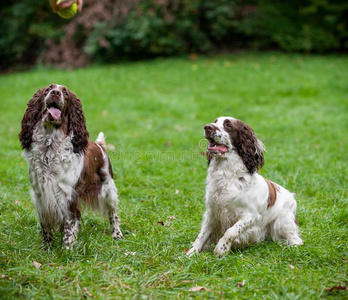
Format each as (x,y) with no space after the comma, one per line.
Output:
(154,113)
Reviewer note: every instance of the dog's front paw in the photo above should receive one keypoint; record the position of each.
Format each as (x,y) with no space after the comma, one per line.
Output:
(222,248)
(295,241)
(117,235)
(192,251)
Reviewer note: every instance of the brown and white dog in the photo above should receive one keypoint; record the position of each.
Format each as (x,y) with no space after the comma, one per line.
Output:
(242,207)
(65,168)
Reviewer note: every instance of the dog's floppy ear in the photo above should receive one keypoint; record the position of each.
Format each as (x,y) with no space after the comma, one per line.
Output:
(32,115)
(249,148)
(77,125)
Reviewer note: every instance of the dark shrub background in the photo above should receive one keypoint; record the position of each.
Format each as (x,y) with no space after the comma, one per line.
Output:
(113,30)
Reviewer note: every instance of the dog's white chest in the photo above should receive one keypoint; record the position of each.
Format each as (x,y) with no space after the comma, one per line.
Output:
(223,190)
(54,170)
(50,158)
(53,166)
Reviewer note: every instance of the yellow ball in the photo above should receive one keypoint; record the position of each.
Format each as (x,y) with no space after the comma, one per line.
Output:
(69,12)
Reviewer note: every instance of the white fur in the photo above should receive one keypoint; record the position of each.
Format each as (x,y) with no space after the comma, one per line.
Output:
(108,199)
(54,170)
(237,211)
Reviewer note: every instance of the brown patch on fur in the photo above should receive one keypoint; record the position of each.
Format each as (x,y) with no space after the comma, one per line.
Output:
(77,124)
(272,193)
(89,186)
(93,176)
(246,143)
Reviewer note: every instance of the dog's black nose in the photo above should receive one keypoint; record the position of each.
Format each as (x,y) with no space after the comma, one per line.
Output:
(209,127)
(56,93)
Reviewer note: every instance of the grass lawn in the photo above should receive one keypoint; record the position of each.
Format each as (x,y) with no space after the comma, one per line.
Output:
(153,114)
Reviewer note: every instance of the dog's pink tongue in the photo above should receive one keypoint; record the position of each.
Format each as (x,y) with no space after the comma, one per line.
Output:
(220,148)
(54,112)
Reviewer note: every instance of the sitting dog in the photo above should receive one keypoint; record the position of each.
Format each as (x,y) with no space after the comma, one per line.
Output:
(242,207)
(65,168)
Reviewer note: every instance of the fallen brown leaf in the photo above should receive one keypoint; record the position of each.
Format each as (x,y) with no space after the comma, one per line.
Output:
(87,292)
(37,265)
(171,217)
(198,288)
(51,264)
(108,287)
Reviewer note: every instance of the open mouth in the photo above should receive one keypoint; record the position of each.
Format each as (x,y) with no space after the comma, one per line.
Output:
(214,147)
(54,113)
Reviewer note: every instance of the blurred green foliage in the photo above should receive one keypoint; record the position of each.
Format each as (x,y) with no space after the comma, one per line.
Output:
(143,29)
(25,25)
(306,26)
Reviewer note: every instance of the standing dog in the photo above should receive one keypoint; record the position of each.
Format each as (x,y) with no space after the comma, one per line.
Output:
(242,207)
(65,168)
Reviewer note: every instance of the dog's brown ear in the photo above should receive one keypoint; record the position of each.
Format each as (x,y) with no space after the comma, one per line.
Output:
(77,125)
(32,115)
(249,148)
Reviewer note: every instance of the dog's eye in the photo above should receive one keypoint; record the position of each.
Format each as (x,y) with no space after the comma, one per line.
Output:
(66,94)
(228,125)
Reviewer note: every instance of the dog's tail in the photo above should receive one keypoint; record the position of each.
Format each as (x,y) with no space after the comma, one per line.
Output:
(101,140)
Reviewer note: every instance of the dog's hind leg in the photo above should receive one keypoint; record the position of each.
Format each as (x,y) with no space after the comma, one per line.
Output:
(110,202)
(115,225)
(109,198)
(285,228)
